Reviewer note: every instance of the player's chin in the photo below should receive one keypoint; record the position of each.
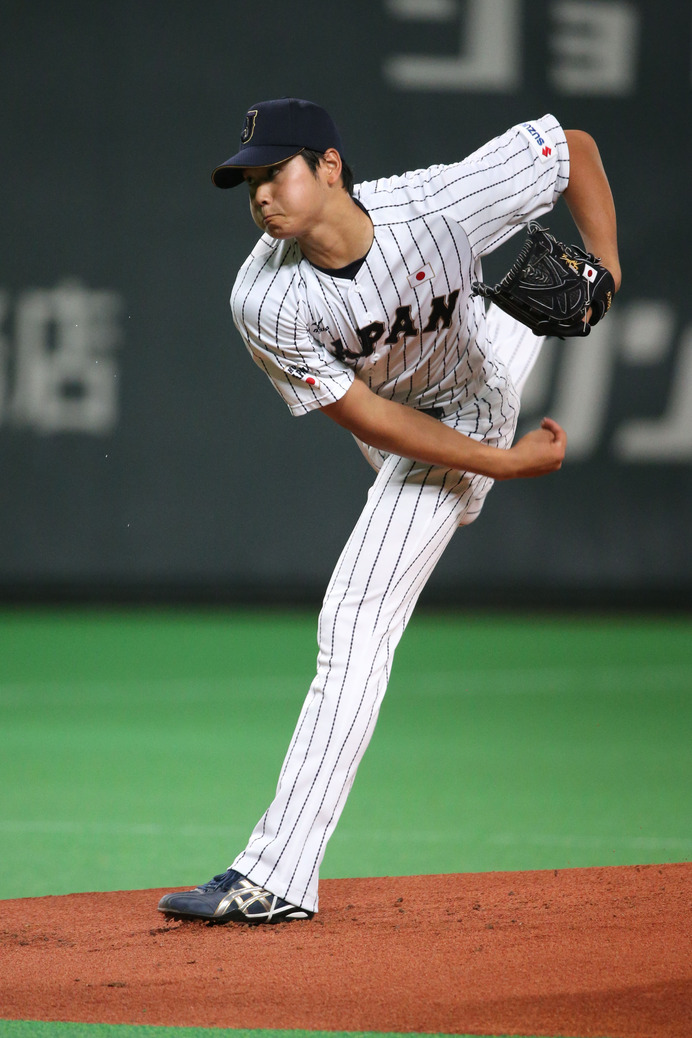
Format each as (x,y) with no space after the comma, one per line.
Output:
(275,230)
(269,226)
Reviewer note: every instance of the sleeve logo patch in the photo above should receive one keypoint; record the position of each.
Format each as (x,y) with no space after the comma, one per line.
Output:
(304,374)
(539,141)
(420,276)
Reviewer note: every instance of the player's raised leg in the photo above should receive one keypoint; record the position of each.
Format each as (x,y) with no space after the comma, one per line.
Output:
(516,345)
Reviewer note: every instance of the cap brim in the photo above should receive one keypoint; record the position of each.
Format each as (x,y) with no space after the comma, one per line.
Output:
(230,173)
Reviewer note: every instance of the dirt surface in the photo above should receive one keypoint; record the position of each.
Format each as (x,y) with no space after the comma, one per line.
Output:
(577,952)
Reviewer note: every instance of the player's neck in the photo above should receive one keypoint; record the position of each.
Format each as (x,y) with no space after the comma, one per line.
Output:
(344,236)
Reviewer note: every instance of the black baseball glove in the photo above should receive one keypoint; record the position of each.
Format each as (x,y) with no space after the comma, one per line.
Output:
(551,287)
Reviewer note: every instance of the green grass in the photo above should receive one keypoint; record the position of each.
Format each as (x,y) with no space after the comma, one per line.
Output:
(40,1029)
(138,748)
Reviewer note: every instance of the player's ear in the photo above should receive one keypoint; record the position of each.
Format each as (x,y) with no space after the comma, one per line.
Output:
(332,164)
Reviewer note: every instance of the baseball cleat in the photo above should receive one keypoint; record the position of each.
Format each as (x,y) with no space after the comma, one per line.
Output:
(231,898)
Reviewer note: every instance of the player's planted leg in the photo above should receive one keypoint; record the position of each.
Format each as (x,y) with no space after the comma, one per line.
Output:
(231,897)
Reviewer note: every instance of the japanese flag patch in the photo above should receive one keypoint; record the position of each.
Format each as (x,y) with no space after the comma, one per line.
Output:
(589,273)
(421,275)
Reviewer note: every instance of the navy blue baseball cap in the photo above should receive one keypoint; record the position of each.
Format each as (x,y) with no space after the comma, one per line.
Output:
(274,131)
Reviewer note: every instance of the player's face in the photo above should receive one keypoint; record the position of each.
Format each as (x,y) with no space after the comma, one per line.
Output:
(285,199)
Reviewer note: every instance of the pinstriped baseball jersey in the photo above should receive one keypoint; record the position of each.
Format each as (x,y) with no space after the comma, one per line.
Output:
(406,324)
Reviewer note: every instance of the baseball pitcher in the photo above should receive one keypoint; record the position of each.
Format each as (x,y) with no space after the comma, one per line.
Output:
(368,303)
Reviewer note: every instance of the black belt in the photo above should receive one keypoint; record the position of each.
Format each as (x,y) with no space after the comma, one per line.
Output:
(434,412)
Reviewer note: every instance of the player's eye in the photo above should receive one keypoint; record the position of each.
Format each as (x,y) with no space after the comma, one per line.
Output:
(254,182)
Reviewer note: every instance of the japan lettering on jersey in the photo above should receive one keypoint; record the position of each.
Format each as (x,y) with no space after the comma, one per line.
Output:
(407,323)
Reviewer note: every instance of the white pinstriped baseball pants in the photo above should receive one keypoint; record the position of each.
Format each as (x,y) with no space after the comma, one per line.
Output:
(410,516)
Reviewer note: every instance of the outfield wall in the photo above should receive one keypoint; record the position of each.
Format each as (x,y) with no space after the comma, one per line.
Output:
(142,452)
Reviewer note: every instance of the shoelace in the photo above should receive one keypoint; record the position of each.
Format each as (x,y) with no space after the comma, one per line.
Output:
(224,881)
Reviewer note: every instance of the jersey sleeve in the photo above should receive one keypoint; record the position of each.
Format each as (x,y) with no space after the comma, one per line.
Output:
(512,179)
(515,178)
(269,313)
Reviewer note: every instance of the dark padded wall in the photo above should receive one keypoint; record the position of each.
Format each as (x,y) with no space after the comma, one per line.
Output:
(142,452)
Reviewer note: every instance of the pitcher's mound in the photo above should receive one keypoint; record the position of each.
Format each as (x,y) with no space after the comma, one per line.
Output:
(587,952)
